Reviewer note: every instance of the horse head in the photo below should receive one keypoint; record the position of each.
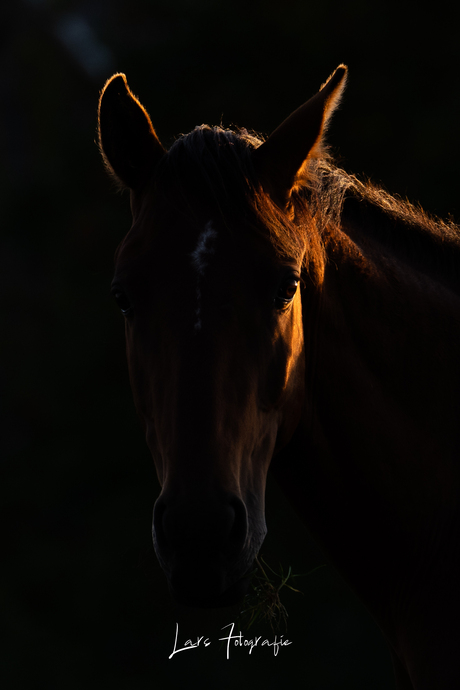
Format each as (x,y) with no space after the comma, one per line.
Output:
(208,279)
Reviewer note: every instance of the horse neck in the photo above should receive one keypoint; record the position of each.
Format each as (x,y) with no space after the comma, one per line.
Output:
(382,338)
(392,270)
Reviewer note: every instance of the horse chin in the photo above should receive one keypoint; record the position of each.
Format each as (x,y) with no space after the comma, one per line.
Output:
(211,600)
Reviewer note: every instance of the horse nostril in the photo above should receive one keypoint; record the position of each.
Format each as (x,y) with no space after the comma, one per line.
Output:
(239,530)
(159,539)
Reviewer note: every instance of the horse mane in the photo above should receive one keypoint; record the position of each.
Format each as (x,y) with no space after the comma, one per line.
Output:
(340,202)
(212,167)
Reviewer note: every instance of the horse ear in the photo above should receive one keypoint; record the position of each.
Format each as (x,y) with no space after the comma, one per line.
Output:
(280,158)
(127,139)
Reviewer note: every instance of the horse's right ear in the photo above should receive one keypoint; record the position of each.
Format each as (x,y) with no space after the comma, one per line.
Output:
(128,142)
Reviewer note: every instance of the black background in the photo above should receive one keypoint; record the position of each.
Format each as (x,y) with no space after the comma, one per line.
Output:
(84,602)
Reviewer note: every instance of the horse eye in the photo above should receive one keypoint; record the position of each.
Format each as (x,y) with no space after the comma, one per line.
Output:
(122,300)
(286,292)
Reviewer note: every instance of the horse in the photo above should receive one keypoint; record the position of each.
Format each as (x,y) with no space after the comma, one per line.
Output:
(280,312)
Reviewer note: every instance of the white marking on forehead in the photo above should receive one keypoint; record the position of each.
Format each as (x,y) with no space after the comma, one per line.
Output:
(200,260)
(203,248)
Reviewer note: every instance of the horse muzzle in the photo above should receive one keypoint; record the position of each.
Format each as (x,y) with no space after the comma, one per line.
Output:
(205,548)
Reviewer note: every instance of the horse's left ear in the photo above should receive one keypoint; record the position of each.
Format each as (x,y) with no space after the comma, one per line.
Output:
(127,139)
(279,159)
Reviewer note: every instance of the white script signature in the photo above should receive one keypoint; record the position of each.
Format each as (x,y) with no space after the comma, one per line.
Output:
(237,640)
